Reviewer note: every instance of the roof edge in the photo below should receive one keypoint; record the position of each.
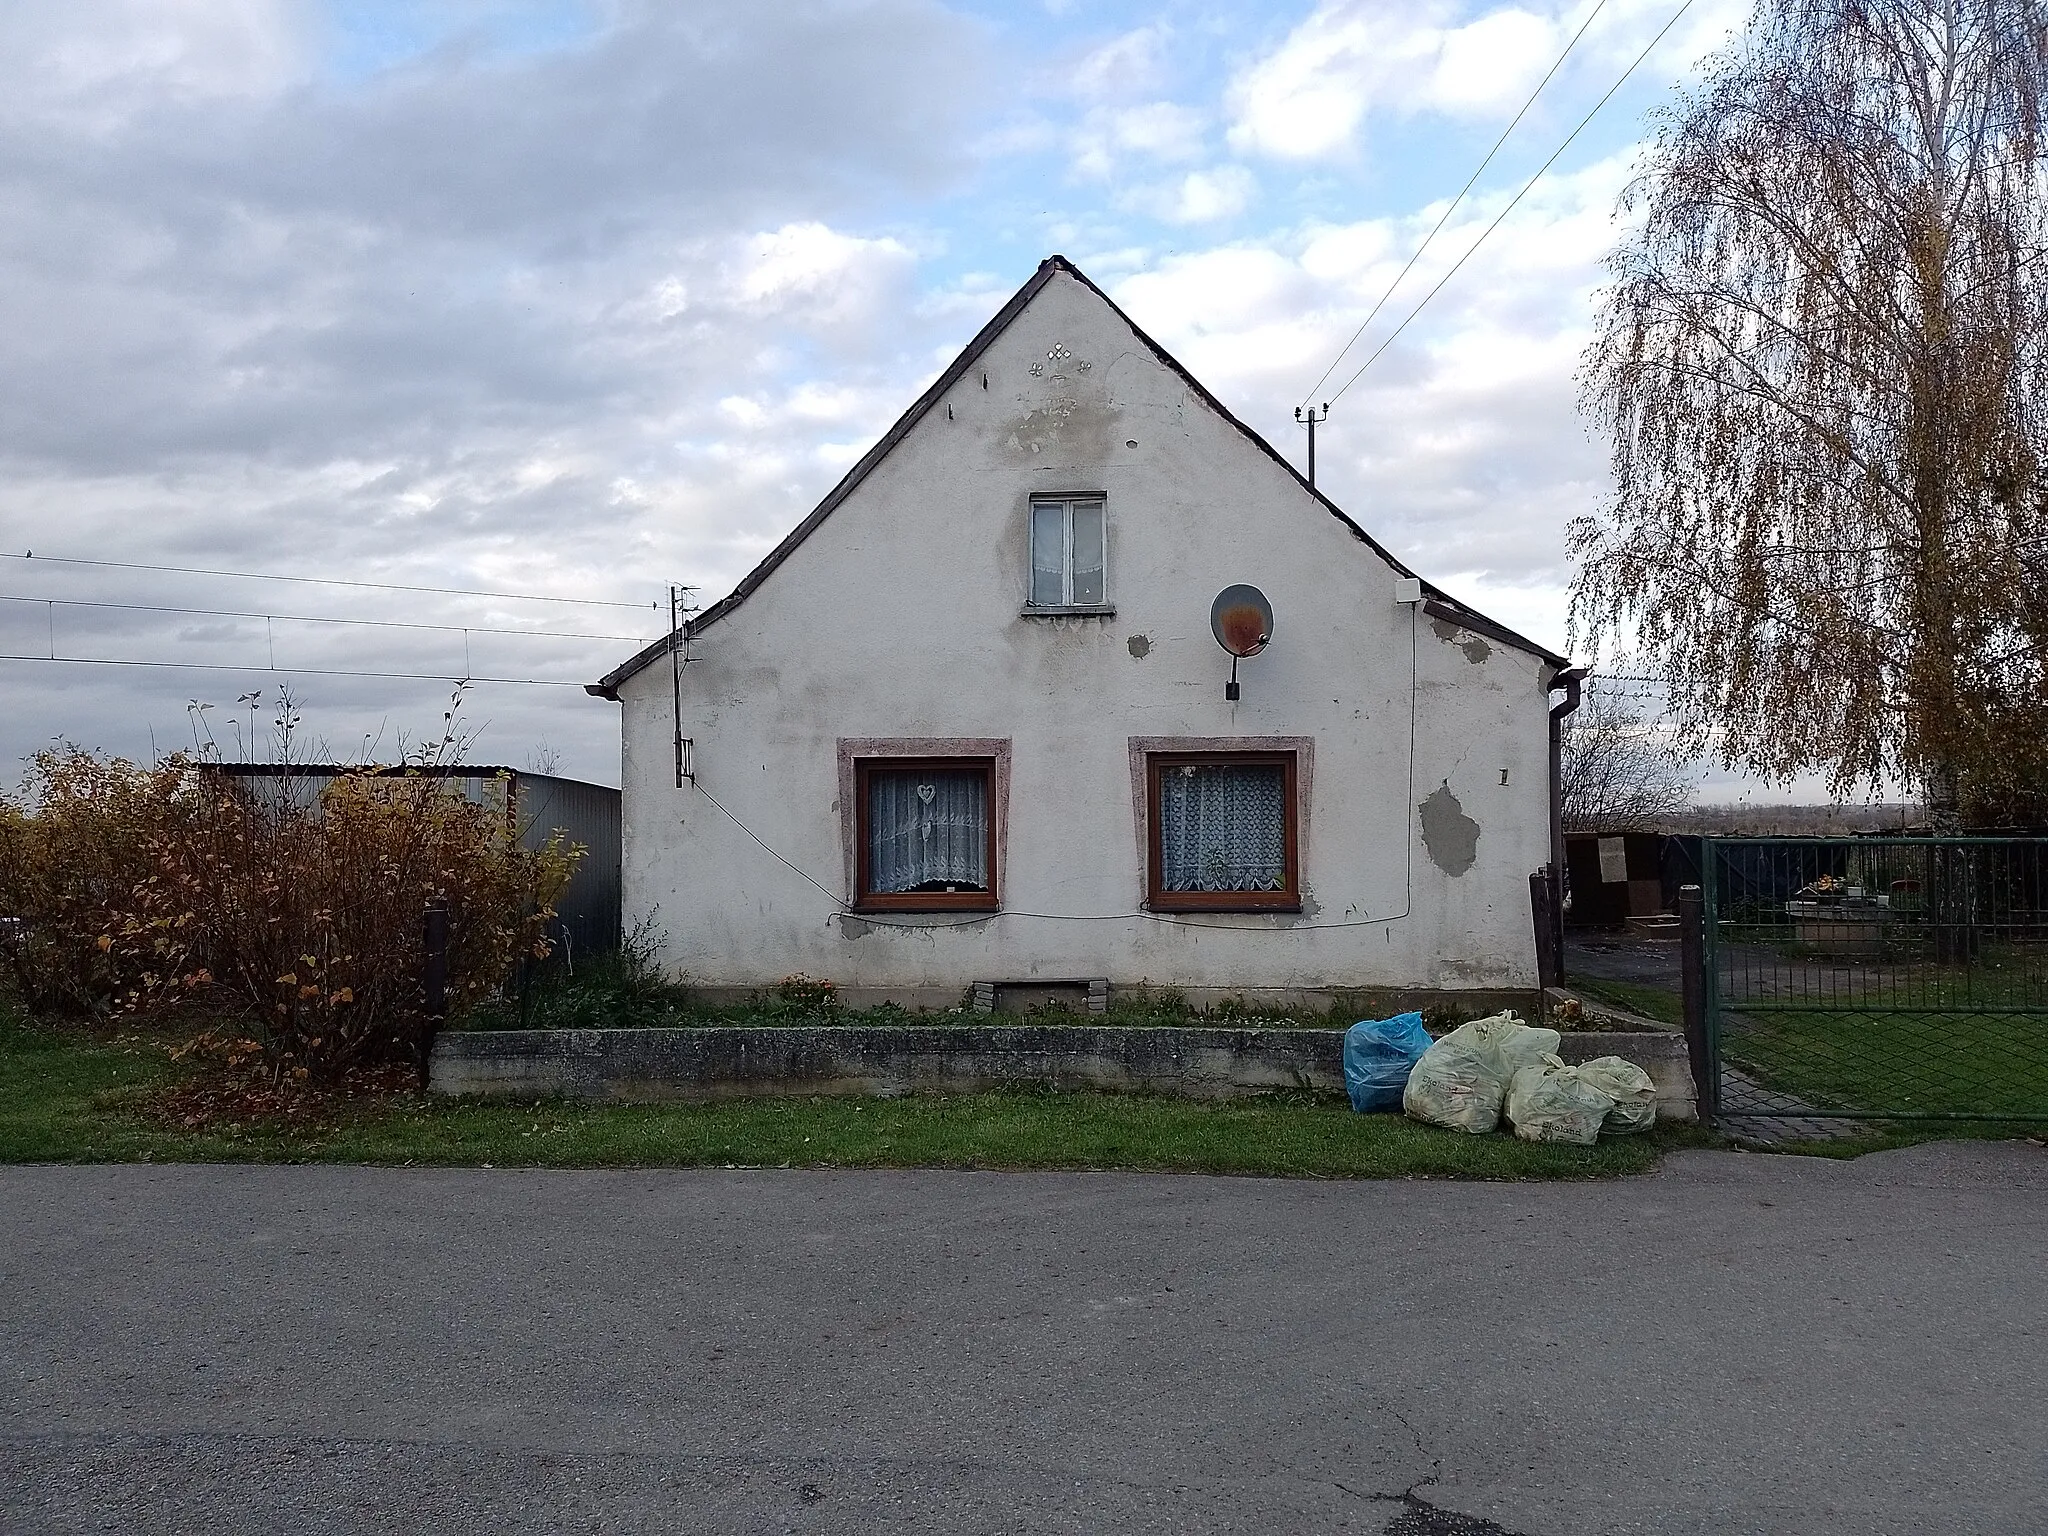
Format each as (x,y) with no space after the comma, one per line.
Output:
(1470,617)
(607,687)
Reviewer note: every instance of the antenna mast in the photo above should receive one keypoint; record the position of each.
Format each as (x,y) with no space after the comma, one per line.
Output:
(1309,420)
(677,640)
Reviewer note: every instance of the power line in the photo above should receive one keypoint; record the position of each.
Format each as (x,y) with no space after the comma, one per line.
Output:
(307,618)
(1510,208)
(205,666)
(325,581)
(1402,276)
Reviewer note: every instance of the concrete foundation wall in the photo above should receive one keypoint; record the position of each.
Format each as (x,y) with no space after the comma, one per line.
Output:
(881,1061)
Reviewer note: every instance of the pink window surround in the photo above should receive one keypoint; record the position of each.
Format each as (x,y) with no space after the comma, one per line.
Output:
(1142,747)
(853,748)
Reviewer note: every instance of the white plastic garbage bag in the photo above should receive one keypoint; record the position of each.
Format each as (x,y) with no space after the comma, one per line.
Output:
(1520,1045)
(1553,1102)
(1461,1080)
(1634,1095)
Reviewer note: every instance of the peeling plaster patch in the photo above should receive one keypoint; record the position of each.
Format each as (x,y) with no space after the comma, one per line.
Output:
(1140,645)
(1451,836)
(1062,431)
(1476,650)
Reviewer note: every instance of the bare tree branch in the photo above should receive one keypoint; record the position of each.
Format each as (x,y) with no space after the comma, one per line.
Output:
(1616,774)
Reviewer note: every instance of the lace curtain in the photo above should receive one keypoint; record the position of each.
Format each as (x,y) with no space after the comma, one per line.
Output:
(1223,827)
(927,829)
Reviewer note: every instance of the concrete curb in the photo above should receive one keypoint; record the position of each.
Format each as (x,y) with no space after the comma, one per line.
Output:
(632,1065)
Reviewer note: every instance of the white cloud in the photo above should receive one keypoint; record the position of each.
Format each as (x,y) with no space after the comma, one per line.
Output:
(743,412)
(1308,97)
(1209,195)
(1157,130)
(1129,65)
(94,63)
(1200,197)
(1489,66)
(821,271)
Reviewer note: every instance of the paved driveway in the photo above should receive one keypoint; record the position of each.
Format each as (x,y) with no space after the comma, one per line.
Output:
(1739,1344)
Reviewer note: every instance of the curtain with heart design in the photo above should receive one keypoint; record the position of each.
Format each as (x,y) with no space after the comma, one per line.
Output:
(927,830)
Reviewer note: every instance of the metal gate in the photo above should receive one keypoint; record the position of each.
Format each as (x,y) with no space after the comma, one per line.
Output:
(1872,978)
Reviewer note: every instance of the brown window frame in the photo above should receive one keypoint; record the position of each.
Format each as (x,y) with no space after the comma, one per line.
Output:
(865,900)
(1159,899)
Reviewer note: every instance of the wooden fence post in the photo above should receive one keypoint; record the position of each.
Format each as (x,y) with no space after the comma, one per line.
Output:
(1543,912)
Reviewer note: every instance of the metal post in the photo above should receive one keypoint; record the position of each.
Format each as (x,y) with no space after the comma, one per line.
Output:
(434,973)
(1309,420)
(1544,915)
(1692,968)
(1570,680)
(675,671)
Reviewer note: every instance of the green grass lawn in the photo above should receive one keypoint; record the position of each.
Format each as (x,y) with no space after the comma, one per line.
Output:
(1651,1002)
(1901,1063)
(68,1098)
(1905,1063)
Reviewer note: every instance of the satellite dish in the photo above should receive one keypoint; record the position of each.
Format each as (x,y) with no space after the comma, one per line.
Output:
(1242,620)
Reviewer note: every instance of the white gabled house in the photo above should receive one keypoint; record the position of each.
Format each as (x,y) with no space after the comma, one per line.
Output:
(967,723)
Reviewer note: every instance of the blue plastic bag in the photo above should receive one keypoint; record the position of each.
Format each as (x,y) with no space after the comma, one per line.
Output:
(1378,1056)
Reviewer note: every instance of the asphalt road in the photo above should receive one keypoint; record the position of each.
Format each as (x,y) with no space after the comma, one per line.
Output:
(1741,1343)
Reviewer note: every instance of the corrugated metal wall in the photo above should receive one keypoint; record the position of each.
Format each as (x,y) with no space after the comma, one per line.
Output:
(586,814)
(541,804)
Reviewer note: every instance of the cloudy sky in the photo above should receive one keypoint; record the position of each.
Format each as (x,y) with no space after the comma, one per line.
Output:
(578,298)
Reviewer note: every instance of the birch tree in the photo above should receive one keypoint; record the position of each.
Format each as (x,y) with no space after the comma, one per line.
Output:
(1821,363)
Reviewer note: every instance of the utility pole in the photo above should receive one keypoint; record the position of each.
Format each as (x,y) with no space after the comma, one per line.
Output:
(1309,420)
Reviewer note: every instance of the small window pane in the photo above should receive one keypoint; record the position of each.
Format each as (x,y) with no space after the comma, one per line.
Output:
(1048,554)
(1223,827)
(927,830)
(1088,552)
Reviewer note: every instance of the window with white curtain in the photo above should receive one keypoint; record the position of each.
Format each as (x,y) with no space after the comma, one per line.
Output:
(1069,552)
(925,839)
(1223,832)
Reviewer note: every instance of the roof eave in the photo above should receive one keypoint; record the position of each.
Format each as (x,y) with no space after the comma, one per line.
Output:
(607,687)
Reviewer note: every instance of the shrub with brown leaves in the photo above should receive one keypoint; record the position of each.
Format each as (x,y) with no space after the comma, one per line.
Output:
(292,912)
(75,847)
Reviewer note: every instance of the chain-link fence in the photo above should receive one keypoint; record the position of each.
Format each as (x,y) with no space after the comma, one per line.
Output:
(1882,978)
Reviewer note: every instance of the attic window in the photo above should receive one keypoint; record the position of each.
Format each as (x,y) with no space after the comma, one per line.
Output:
(1069,549)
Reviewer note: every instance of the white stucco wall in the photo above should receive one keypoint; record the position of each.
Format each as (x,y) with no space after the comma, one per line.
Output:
(900,617)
